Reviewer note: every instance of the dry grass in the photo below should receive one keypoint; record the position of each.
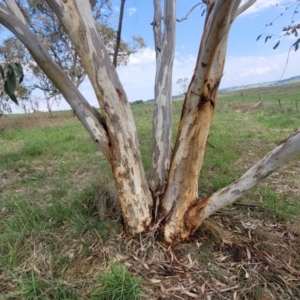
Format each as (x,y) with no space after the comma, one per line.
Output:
(30,121)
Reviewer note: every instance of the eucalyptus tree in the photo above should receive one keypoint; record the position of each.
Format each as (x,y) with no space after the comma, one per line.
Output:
(168,205)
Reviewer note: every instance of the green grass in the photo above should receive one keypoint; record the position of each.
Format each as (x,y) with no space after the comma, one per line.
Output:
(118,284)
(32,288)
(285,93)
(283,208)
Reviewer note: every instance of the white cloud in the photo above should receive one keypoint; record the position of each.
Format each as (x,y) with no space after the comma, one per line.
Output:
(138,76)
(261,5)
(254,69)
(132,10)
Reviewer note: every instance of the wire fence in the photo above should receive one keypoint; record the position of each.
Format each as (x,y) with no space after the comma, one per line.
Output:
(287,106)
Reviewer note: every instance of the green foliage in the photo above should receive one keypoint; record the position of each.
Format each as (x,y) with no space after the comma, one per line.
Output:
(12,76)
(119,284)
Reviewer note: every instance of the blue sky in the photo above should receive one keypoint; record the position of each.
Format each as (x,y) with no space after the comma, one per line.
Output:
(248,61)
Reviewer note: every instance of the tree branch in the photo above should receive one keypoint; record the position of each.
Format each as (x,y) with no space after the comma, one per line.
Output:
(115,58)
(244,7)
(283,153)
(12,5)
(189,12)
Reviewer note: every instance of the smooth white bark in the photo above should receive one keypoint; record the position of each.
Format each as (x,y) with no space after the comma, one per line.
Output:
(164,37)
(11,4)
(125,158)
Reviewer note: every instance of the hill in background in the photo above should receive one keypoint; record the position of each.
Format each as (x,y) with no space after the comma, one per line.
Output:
(263,84)
(291,84)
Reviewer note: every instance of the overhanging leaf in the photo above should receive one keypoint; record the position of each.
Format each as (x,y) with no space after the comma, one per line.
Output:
(20,72)
(267,37)
(258,37)
(10,84)
(17,68)
(296,44)
(2,72)
(277,44)
(11,95)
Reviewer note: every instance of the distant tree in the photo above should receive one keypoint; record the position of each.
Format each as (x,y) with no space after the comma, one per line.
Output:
(183,85)
(119,32)
(137,102)
(50,94)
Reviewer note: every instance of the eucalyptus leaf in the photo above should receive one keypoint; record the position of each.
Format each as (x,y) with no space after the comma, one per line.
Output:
(2,72)
(277,44)
(10,84)
(17,68)
(9,92)
(20,72)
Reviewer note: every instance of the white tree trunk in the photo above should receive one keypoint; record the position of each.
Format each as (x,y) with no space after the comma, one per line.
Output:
(125,158)
(196,119)
(162,118)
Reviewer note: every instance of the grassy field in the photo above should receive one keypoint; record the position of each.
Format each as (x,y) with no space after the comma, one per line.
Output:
(288,92)
(284,98)
(60,228)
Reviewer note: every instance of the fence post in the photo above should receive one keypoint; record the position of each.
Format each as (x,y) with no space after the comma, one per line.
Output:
(279,104)
(261,101)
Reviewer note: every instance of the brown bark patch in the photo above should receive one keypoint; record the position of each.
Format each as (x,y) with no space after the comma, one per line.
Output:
(202,102)
(120,94)
(194,216)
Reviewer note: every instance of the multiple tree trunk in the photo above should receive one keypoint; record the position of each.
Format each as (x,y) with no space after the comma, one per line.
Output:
(170,201)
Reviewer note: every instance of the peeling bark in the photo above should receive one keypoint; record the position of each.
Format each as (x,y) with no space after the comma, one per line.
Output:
(196,119)
(124,156)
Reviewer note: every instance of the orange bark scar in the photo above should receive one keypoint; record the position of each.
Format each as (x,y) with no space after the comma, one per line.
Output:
(195,215)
